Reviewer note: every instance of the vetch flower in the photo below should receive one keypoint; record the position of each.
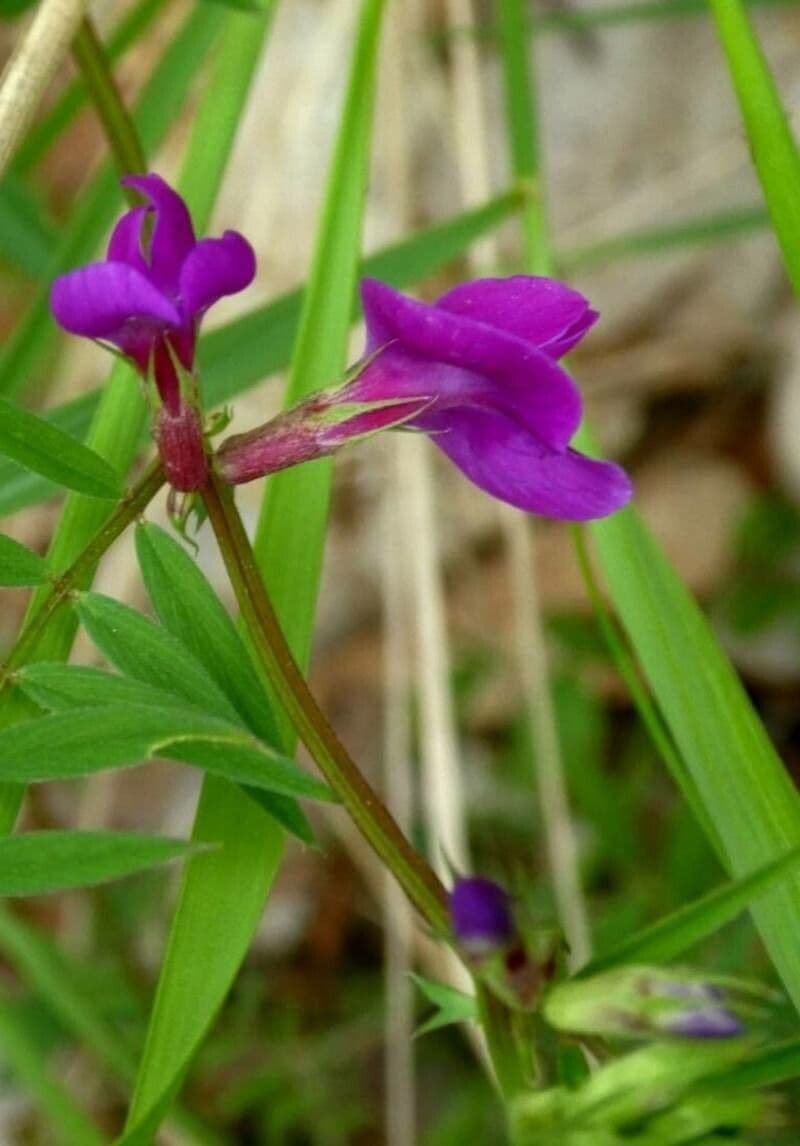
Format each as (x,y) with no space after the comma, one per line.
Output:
(480,913)
(478,371)
(650,1002)
(147,298)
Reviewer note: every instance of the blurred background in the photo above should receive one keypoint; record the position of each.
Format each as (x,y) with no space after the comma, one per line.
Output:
(691,379)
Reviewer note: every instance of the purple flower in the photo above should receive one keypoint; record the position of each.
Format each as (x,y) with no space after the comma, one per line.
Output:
(480,913)
(706,1023)
(478,371)
(147,298)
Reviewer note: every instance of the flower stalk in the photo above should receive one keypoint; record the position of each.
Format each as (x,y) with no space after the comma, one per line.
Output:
(358,797)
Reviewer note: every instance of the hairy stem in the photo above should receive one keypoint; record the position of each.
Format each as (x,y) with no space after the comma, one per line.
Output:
(365,807)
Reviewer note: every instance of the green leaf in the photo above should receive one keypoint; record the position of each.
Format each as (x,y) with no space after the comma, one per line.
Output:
(452,1006)
(188,607)
(772,144)
(81,741)
(18,565)
(191,988)
(58,688)
(20,487)
(143,650)
(48,451)
(36,863)
(670,937)
(190,610)
(727,763)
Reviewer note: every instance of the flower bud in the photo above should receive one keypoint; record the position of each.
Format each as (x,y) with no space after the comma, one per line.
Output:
(645,1002)
(480,912)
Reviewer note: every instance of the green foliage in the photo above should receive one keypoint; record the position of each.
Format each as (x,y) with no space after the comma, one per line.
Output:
(36,863)
(452,1006)
(675,934)
(18,565)
(43,448)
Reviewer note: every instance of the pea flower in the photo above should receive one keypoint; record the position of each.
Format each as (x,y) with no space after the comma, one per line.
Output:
(480,913)
(147,298)
(478,371)
(651,1002)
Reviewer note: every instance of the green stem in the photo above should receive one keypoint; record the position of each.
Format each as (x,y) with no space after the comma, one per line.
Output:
(90,56)
(497,1023)
(365,807)
(63,586)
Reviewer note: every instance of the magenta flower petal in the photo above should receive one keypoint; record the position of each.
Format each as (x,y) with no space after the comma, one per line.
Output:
(103,300)
(547,313)
(215,268)
(125,244)
(521,377)
(505,460)
(173,234)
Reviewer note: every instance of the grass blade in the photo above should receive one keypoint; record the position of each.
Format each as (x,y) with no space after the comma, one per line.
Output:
(692,923)
(772,144)
(23,1055)
(191,988)
(731,766)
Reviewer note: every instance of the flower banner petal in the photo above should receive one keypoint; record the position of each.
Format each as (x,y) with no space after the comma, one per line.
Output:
(543,311)
(173,233)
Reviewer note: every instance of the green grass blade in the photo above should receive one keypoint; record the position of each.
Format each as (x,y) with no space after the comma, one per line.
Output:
(588,17)
(192,986)
(692,923)
(723,226)
(37,863)
(767,1067)
(289,545)
(732,767)
(222,896)
(21,1052)
(772,144)
(44,133)
(65,991)
(26,235)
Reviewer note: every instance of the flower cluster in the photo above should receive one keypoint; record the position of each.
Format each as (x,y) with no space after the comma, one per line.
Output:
(478,370)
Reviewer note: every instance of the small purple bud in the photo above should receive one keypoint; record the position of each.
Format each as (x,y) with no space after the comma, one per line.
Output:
(708,1023)
(480,912)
